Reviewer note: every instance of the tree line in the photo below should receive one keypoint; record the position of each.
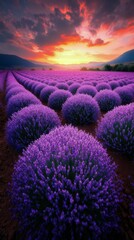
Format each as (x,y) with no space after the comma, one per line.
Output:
(108,67)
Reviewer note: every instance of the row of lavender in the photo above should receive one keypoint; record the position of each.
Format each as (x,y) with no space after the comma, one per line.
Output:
(70,77)
(28,118)
(64,185)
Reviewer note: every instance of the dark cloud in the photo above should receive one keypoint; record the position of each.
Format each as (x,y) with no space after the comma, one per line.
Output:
(108,12)
(48,27)
(5,34)
(104,12)
(24,23)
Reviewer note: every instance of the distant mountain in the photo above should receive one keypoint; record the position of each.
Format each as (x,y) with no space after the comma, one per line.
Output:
(12,61)
(126,57)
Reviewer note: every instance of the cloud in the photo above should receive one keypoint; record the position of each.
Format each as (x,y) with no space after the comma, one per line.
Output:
(24,23)
(46,27)
(5,34)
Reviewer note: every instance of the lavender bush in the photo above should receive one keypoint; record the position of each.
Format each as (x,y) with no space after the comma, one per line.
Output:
(114,84)
(117,129)
(45,93)
(80,109)
(125,94)
(86,89)
(73,87)
(102,86)
(107,100)
(29,124)
(20,101)
(38,89)
(57,98)
(63,86)
(13,91)
(65,187)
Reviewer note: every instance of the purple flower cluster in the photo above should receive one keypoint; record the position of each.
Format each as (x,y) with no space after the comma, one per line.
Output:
(73,87)
(38,88)
(20,101)
(114,84)
(57,98)
(14,91)
(107,100)
(102,86)
(65,186)
(80,109)
(63,86)
(86,89)
(117,129)
(125,94)
(29,124)
(45,93)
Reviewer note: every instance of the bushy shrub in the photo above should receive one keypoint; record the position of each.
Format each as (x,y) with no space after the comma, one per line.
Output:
(29,124)
(45,93)
(20,101)
(63,86)
(114,84)
(73,87)
(131,87)
(86,89)
(80,109)
(52,83)
(107,100)
(102,86)
(125,94)
(28,85)
(117,129)
(65,187)
(69,82)
(57,98)
(33,86)
(38,89)
(13,91)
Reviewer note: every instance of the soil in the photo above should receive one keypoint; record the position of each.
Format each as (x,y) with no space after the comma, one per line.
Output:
(8,227)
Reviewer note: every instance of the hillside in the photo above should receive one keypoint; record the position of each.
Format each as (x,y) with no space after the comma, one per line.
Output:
(126,57)
(12,61)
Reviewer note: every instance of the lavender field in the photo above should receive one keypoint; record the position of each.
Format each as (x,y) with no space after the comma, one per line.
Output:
(67,155)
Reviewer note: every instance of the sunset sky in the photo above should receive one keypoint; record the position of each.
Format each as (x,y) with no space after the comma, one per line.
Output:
(66,31)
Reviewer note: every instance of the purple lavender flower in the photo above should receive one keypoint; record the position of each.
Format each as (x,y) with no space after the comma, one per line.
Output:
(14,91)
(20,101)
(114,84)
(57,98)
(38,88)
(86,89)
(64,186)
(73,87)
(102,86)
(29,124)
(117,129)
(107,100)
(45,93)
(80,109)
(63,86)
(126,94)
